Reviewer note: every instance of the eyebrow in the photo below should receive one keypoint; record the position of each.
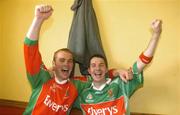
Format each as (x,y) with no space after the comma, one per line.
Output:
(100,63)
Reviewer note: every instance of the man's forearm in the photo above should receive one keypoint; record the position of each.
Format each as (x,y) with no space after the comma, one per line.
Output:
(34,30)
(149,52)
(146,56)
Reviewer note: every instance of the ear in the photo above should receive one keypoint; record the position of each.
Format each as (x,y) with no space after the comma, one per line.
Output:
(106,70)
(89,71)
(53,64)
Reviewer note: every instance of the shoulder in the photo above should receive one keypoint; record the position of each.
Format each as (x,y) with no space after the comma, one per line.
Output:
(116,80)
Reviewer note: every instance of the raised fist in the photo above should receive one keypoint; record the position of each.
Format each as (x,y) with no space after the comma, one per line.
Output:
(43,11)
(156,26)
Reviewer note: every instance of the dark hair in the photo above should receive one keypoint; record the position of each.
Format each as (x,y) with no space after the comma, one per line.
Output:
(64,50)
(98,56)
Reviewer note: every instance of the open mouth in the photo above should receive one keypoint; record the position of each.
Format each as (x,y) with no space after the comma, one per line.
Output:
(98,74)
(65,71)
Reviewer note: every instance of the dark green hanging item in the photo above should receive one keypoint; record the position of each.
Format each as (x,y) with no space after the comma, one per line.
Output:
(84,37)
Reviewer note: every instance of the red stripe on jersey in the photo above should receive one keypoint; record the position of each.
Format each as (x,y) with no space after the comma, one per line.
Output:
(110,73)
(81,78)
(115,107)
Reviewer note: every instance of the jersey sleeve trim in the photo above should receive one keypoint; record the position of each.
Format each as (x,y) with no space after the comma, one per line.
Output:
(30,42)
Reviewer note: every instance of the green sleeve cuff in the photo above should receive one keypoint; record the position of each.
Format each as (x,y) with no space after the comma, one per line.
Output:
(135,69)
(29,41)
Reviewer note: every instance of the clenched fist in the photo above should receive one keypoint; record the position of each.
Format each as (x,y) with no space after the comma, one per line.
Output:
(156,26)
(43,11)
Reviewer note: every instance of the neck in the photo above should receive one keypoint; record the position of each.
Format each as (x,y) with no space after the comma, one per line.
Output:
(99,84)
(59,80)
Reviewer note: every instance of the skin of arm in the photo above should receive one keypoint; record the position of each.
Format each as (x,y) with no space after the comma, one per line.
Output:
(42,12)
(156,27)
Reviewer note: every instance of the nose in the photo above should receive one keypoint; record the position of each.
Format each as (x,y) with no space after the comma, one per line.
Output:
(97,68)
(67,63)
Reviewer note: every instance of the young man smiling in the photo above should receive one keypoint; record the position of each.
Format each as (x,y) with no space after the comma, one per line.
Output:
(110,97)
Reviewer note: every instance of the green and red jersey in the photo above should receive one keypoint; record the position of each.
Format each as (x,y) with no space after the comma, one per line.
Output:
(112,99)
(48,97)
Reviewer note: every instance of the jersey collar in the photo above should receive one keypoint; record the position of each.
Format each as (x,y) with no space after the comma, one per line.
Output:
(61,82)
(102,86)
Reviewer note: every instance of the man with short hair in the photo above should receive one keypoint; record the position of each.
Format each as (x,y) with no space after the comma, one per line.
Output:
(111,97)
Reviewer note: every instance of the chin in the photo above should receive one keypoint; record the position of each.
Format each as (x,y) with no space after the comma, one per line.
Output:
(97,80)
(65,78)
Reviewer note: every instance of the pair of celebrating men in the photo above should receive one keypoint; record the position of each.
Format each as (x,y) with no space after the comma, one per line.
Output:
(97,94)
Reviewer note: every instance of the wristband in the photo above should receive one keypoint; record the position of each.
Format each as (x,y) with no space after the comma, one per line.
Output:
(145,59)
